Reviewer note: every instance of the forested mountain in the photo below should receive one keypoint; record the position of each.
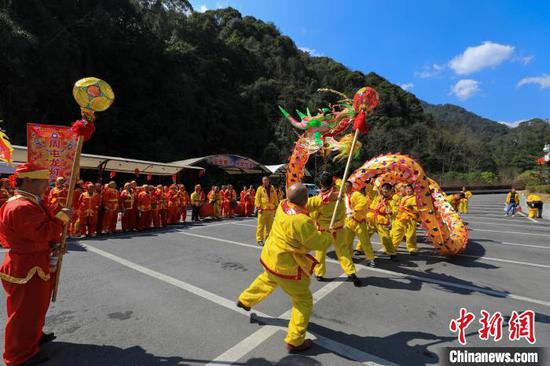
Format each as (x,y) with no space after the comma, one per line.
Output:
(456,117)
(190,84)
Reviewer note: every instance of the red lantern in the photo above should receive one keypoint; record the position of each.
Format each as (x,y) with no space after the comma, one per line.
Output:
(174,178)
(112,175)
(149,177)
(136,172)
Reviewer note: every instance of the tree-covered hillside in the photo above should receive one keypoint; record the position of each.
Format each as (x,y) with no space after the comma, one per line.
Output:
(190,84)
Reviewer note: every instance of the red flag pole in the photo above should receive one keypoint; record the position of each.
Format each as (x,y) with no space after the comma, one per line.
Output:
(75,170)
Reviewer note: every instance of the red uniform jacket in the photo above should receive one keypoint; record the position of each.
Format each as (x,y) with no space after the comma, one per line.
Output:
(57,198)
(173,199)
(144,201)
(110,199)
(127,199)
(88,204)
(27,230)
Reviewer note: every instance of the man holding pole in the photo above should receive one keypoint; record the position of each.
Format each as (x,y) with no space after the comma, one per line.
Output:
(31,235)
(322,207)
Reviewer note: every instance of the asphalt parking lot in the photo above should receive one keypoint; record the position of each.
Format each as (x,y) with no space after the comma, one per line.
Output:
(167,297)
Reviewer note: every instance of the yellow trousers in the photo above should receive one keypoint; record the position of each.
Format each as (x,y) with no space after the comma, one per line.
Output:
(405,229)
(532,213)
(343,252)
(265,221)
(385,238)
(299,293)
(463,206)
(363,233)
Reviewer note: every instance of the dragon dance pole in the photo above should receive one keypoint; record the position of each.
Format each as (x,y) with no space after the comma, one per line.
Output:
(346,172)
(93,95)
(75,169)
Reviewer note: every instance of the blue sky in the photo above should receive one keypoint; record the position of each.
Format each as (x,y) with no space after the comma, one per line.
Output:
(489,56)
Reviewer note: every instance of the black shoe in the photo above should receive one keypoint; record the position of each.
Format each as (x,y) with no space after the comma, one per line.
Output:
(47,337)
(243,306)
(36,360)
(357,252)
(308,343)
(320,278)
(394,258)
(414,252)
(356,281)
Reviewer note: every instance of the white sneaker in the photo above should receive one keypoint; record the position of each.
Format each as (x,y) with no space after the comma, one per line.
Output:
(371,263)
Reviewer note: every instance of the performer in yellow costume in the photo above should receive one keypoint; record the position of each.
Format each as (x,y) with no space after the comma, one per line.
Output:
(288,264)
(266,201)
(321,207)
(534,202)
(404,224)
(463,206)
(357,207)
(369,193)
(379,215)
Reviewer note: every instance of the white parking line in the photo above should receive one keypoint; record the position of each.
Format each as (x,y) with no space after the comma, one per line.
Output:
(510,232)
(524,215)
(249,225)
(499,224)
(393,273)
(484,257)
(267,331)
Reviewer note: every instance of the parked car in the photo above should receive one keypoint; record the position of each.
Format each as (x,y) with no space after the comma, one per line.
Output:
(312,189)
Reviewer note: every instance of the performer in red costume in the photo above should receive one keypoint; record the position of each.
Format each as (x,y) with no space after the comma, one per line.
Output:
(29,232)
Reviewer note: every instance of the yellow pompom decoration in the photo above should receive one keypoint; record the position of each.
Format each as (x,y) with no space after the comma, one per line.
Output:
(93,94)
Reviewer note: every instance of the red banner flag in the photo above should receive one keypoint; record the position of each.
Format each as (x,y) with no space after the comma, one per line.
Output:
(52,147)
(112,175)
(149,177)
(174,178)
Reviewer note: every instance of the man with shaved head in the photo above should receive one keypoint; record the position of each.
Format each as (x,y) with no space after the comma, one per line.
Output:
(288,264)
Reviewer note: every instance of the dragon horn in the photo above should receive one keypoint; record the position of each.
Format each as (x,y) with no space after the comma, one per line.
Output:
(284,112)
(292,120)
(302,116)
(308,112)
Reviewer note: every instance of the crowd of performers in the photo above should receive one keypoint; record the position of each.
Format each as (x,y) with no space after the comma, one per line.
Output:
(97,208)
(299,225)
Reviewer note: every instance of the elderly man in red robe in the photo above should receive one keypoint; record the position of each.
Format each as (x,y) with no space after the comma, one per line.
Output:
(30,232)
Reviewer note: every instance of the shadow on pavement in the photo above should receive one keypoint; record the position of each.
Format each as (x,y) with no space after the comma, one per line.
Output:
(71,354)
(394,348)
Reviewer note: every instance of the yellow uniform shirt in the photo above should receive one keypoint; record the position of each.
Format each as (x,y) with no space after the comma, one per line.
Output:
(380,211)
(322,211)
(509,198)
(292,237)
(195,199)
(407,210)
(266,201)
(533,198)
(359,204)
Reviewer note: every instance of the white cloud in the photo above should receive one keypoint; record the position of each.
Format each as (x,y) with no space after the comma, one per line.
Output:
(429,71)
(543,81)
(526,60)
(476,58)
(202,8)
(465,88)
(407,86)
(311,51)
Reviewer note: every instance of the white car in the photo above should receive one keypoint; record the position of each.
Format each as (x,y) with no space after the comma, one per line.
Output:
(312,189)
